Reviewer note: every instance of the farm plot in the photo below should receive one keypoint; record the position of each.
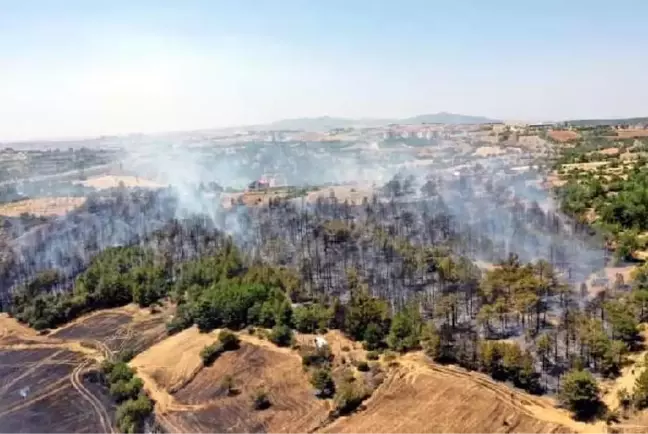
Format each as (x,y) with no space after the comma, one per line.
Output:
(192,398)
(40,391)
(43,206)
(116,330)
(421,397)
(294,406)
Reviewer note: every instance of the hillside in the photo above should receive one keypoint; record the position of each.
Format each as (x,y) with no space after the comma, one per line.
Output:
(325,123)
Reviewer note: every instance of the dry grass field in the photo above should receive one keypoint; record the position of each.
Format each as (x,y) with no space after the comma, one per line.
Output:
(353,193)
(190,397)
(630,133)
(419,396)
(44,206)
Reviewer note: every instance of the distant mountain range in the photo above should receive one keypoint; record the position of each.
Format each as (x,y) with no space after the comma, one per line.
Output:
(605,122)
(324,123)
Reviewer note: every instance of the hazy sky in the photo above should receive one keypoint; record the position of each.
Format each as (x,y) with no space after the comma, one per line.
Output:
(89,67)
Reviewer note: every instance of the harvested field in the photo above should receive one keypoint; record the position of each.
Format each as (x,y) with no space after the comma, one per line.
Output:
(41,390)
(174,361)
(116,329)
(585,166)
(252,198)
(422,397)
(486,151)
(189,397)
(112,181)
(563,136)
(610,151)
(352,193)
(629,133)
(42,206)
(294,406)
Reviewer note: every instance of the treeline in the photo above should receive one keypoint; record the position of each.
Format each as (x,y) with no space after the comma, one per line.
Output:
(457,324)
(116,277)
(619,201)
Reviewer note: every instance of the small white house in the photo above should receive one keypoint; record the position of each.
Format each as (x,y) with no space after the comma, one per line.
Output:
(320,342)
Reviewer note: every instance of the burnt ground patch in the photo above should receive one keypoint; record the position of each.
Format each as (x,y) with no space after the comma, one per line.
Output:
(37,395)
(101,327)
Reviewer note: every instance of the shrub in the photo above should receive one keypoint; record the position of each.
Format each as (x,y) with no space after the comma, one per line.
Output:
(281,335)
(373,355)
(580,393)
(228,340)
(126,355)
(123,390)
(389,357)
(317,356)
(210,353)
(362,366)
(260,400)
(348,398)
(624,398)
(177,324)
(322,381)
(118,371)
(640,392)
(228,385)
(132,414)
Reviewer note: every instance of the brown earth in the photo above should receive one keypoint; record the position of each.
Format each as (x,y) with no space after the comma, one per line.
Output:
(43,206)
(563,136)
(629,133)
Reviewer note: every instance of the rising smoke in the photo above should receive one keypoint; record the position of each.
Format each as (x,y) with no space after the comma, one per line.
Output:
(494,209)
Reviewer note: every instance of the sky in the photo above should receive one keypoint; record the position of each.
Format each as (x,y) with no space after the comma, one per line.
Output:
(72,68)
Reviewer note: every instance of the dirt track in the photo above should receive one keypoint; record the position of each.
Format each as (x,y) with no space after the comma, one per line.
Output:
(42,388)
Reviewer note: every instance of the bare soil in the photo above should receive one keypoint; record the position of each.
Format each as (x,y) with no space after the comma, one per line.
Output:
(563,136)
(629,133)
